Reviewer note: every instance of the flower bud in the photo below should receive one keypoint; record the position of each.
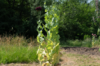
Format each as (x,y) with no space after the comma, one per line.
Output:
(38,8)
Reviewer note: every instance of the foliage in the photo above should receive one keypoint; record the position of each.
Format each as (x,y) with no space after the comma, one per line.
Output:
(76,17)
(78,43)
(86,36)
(93,39)
(17,54)
(17,50)
(75,20)
(17,17)
(48,51)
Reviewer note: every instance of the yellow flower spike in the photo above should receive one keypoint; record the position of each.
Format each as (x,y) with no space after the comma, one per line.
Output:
(92,43)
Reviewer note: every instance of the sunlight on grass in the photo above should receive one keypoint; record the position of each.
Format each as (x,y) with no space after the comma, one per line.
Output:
(17,50)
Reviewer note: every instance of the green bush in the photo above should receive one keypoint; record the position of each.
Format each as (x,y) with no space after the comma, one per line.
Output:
(76,43)
(75,20)
(86,36)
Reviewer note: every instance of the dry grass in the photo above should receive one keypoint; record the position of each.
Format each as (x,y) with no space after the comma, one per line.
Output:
(17,40)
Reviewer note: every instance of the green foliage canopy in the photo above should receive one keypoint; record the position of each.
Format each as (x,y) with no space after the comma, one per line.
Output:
(75,19)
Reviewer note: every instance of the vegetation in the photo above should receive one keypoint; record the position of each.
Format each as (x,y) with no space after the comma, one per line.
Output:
(48,51)
(17,50)
(20,15)
(80,43)
(75,17)
(75,20)
(78,26)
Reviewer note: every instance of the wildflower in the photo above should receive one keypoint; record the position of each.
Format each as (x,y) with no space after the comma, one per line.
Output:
(38,8)
(94,35)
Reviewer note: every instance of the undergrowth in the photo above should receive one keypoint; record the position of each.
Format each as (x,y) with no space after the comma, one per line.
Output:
(80,43)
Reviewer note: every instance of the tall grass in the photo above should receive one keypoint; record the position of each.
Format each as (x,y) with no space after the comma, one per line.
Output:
(17,50)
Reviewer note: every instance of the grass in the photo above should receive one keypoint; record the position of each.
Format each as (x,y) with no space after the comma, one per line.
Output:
(20,50)
(17,50)
(80,43)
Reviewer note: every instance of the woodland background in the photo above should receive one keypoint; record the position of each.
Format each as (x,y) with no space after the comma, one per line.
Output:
(77,18)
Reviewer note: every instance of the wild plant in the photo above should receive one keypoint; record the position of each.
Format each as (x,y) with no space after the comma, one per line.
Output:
(93,39)
(48,51)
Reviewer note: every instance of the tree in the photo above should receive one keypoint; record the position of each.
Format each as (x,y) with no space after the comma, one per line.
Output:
(17,17)
(75,19)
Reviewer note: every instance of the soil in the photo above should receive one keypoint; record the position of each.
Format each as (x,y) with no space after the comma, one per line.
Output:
(68,61)
(82,50)
(92,53)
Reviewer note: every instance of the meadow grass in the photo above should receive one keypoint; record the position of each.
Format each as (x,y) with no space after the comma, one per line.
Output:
(80,43)
(17,50)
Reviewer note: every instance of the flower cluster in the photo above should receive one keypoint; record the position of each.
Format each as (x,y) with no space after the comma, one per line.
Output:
(94,35)
(38,8)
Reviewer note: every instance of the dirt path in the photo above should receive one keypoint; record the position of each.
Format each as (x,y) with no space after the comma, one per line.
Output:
(80,56)
(73,56)
(82,50)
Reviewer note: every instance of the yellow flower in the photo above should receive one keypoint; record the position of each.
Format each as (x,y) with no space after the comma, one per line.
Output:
(92,43)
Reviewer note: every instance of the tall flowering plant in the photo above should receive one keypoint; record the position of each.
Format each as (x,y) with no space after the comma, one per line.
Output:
(98,32)
(93,39)
(48,51)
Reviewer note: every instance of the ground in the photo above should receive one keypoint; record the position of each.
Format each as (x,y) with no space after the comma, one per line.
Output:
(80,56)
(72,56)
